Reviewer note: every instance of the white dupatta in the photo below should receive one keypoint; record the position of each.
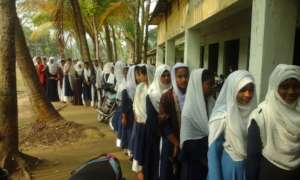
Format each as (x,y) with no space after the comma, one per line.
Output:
(156,89)
(194,116)
(179,94)
(230,118)
(279,122)
(139,103)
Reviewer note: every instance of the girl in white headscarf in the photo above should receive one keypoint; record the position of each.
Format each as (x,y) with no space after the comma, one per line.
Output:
(160,84)
(228,127)
(117,115)
(127,116)
(194,125)
(146,73)
(68,85)
(171,104)
(52,76)
(108,79)
(86,90)
(60,78)
(78,83)
(52,66)
(274,130)
(108,73)
(119,67)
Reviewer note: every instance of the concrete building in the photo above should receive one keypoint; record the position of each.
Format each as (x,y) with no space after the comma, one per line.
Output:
(226,35)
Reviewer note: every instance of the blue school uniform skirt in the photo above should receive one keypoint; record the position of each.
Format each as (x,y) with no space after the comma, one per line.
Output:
(221,166)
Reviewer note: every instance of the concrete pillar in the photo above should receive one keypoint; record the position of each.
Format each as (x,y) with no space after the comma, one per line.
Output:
(192,49)
(206,50)
(159,55)
(272,38)
(170,52)
(221,58)
(244,53)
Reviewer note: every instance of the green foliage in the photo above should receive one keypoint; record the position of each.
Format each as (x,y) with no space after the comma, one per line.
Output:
(40,17)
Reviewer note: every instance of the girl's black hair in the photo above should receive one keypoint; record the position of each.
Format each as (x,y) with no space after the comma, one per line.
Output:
(207,75)
(140,69)
(143,70)
(136,69)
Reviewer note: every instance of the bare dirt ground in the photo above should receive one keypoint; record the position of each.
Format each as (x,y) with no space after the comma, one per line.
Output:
(61,159)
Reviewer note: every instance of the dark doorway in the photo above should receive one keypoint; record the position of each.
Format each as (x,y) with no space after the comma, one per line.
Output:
(297,48)
(213,55)
(202,50)
(179,53)
(231,56)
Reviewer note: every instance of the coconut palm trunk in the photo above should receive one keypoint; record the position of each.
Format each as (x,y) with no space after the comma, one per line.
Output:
(137,47)
(8,96)
(43,109)
(95,39)
(108,42)
(10,157)
(145,44)
(84,49)
(114,42)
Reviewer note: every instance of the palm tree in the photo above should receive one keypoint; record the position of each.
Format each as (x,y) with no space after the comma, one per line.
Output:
(80,29)
(137,47)
(146,24)
(8,96)
(10,157)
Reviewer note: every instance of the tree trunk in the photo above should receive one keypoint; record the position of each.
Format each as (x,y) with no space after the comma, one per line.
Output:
(8,96)
(137,48)
(10,157)
(95,40)
(142,27)
(146,31)
(59,24)
(114,42)
(43,109)
(108,43)
(80,30)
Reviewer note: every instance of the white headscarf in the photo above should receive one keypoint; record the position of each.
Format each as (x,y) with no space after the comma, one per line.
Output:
(79,67)
(108,70)
(279,122)
(230,118)
(194,117)
(52,65)
(139,103)
(121,86)
(34,60)
(131,82)
(119,67)
(179,94)
(150,73)
(156,89)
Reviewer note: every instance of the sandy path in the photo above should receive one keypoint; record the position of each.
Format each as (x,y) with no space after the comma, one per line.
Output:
(61,160)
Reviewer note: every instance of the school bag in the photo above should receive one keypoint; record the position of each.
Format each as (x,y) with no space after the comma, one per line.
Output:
(103,167)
